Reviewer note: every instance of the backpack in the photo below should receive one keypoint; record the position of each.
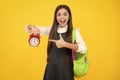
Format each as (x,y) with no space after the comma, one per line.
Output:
(80,61)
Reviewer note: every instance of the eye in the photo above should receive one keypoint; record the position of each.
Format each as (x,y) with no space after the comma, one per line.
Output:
(65,14)
(58,14)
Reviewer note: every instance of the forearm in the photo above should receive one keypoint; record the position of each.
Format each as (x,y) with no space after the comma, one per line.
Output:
(71,46)
(37,29)
(44,29)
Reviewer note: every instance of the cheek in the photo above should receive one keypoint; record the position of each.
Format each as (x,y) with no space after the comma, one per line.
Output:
(57,18)
(68,17)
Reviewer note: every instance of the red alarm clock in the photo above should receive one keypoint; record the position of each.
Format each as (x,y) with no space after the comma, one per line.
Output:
(34,40)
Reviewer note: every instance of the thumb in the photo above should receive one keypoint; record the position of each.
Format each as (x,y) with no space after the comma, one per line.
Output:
(60,36)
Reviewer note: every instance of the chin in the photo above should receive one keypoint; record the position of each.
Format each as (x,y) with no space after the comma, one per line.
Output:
(62,25)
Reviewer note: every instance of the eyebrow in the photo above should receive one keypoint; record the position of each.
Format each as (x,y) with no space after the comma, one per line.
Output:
(65,12)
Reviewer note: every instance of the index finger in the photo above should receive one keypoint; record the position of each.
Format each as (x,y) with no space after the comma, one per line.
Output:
(52,40)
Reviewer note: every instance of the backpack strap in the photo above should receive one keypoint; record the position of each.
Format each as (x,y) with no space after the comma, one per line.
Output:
(73,35)
(73,41)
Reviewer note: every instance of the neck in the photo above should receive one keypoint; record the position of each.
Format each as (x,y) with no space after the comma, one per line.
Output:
(62,26)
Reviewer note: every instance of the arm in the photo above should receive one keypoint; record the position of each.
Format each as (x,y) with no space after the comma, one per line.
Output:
(62,43)
(44,29)
(79,46)
(80,42)
(37,29)
(71,46)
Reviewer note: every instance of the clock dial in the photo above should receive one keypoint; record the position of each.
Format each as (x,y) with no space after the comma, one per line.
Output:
(34,41)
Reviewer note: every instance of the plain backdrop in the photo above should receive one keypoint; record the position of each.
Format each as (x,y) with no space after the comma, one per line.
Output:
(99,23)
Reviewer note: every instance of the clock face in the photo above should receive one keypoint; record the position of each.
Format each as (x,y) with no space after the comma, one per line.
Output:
(34,41)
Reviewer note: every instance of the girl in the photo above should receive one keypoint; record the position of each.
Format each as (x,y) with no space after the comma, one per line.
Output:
(59,58)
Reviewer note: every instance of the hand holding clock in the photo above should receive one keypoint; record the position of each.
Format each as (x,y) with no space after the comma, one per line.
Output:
(34,38)
(32,29)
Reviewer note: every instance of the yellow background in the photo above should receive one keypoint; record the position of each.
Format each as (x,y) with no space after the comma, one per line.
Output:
(98,21)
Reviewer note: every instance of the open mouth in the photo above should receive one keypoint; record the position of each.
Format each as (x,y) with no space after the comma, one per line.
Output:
(62,21)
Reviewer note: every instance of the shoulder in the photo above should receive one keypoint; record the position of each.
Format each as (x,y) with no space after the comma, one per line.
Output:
(77,30)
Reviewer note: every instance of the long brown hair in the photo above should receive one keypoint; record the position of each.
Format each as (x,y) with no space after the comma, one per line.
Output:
(55,25)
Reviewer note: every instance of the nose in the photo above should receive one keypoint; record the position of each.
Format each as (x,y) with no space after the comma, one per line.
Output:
(62,16)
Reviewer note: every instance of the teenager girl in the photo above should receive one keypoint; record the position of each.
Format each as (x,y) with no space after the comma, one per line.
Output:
(59,51)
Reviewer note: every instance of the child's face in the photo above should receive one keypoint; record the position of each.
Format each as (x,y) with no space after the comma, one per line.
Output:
(62,17)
